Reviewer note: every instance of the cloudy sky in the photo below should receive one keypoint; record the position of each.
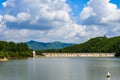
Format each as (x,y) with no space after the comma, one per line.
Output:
(58,20)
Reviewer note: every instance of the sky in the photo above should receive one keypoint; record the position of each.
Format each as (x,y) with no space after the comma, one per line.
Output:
(71,21)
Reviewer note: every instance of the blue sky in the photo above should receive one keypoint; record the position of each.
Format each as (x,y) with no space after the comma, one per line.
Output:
(1,8)
(58,20)
(77,5)
(1,1)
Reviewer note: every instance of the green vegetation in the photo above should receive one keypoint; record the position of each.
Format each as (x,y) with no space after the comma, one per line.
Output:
(118,50)
(94,45)
(13,50)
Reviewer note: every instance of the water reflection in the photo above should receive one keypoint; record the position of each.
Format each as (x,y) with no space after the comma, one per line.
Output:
(60,69)
(109,78)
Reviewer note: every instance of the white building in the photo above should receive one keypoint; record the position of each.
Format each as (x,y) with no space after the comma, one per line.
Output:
(34,53)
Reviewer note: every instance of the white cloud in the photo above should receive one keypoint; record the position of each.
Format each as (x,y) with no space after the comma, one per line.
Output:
(2,25)
(21,17)
(1,17)
(50,20)
(100,12)
(4,4)
(62,16)
(9,3)
(42,14)
(52,15)
(9,18)
(86,13)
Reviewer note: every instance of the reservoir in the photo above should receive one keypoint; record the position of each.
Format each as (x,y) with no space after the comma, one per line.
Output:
(60,69)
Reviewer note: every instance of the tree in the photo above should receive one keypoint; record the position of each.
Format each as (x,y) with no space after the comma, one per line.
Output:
(117,53)
(22,47)
(11,49)
(12,46)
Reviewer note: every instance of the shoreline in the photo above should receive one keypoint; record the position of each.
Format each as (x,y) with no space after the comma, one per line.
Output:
(3,59)
(67,55)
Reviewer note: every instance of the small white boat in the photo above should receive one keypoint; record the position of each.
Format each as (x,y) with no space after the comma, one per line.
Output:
(108,75)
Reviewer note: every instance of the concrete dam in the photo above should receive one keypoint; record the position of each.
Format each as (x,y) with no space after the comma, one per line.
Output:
(78,54)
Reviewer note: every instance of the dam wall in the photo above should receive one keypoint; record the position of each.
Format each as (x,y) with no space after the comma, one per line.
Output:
(78,54)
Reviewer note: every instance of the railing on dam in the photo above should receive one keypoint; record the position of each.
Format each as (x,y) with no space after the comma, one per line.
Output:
(79,54)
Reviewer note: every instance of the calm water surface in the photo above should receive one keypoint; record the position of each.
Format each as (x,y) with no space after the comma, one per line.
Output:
(60,69)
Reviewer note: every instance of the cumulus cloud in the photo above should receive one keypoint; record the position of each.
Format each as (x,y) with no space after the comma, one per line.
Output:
(1,17)
(50,20)
(9,18)
(100,12)
(42,14)
(22,17)
(86,13)
(47,20)
(9,4)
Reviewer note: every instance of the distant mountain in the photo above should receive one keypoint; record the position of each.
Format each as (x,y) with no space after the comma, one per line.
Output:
(44,46)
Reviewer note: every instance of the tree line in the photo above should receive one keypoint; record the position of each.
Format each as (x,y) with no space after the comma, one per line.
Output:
(12,49)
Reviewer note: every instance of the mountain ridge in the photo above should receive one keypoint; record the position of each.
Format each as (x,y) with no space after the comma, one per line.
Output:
(35,45)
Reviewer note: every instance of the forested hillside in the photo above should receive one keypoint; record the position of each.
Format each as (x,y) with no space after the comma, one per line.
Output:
(98,44)
(11,49)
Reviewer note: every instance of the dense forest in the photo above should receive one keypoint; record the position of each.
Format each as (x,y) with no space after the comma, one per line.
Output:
(94,45)
(13,50)
(97,45)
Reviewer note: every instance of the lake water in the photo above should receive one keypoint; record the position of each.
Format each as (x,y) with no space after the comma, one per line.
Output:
(60,69)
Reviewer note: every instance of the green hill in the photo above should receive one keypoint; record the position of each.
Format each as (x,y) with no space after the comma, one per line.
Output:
(98,44)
